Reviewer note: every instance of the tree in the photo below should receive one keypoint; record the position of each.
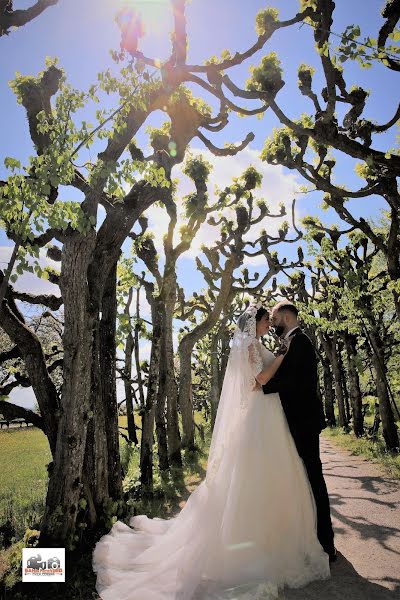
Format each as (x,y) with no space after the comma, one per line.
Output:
(316,135)
(224,282)
(85,450)
(10,17)
(353,298)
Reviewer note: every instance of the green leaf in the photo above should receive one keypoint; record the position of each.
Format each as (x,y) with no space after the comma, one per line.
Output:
(12,163)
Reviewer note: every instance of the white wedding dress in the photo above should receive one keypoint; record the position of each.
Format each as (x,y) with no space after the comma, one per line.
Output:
(249,528)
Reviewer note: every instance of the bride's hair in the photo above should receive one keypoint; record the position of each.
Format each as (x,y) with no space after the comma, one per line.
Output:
(261,312)
(251,311)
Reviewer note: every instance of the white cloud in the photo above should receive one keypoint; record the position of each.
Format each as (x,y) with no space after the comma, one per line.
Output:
(277,187)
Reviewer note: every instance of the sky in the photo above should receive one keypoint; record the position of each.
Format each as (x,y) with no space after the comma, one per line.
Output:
(81,34)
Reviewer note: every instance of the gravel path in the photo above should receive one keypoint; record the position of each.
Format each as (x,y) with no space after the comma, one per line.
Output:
(365,507)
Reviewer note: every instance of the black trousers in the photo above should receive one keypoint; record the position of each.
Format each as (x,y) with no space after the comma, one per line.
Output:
(307,444)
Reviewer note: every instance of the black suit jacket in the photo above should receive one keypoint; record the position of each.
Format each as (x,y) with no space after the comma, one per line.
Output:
(296,383)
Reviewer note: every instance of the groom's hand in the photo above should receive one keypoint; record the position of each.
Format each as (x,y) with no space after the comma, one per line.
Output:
(256,387)
(284,346)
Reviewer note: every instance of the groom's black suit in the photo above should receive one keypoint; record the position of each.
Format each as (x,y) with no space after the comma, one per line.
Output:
(296,382)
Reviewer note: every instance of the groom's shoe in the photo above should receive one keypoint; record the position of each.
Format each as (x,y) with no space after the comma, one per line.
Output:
(332,555)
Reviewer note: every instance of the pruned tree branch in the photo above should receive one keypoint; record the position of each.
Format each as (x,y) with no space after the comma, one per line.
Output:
(17,18)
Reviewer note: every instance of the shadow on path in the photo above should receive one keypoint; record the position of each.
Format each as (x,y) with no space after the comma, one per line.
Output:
(345,584)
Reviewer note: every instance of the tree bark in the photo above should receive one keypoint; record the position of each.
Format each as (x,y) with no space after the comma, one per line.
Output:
(329,395)
(393,249)
(225,298)
(161,430)
(65,484)
(108,383)
(185,398)
(132,435)
(389,429)
(343,381)
(354,385)
(127,374)
(174,438)
(173,433)
(95,463)
(18,18)
(148,412)
(333,356)
(13,323)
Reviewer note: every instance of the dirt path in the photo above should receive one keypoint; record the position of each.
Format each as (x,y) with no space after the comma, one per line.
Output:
(365,506)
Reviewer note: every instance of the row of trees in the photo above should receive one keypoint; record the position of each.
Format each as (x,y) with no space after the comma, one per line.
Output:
(80,416)
(346,305)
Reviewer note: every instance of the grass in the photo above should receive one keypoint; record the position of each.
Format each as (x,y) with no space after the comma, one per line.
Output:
(23,484)
(25,453)
(365,447)
(170,490)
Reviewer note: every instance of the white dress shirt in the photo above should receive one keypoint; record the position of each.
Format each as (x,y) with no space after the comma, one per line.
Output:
(290,331)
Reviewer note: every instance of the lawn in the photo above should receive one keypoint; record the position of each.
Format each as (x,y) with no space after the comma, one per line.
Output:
(24,455)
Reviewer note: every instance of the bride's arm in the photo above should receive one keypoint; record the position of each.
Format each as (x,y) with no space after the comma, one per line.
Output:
(270,371)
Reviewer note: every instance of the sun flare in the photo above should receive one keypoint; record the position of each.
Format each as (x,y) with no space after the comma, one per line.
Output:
(155,15)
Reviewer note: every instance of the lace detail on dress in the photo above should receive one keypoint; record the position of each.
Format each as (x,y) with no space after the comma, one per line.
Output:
(213,464)
(256,366)
(255,357)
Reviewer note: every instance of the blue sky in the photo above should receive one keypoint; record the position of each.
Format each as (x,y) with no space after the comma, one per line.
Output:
(82,33)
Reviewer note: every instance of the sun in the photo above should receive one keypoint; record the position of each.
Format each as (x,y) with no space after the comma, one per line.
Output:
(155,15)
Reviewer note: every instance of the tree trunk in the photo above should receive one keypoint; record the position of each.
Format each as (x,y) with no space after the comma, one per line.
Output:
(373,431)
(102,467)
(13,323)
(185,397)
(328,393)
(107,360)
(132,435)
(338,383)
(161,431)
(96,462)
(389,429)
(214,378)
(129,346)
(65,483)
(393,251)
(174,437)
(224,300)
(354,385)
(343,379)
(146,449)
(148,412)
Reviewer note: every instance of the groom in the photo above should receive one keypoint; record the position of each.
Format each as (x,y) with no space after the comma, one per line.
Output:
(296,382)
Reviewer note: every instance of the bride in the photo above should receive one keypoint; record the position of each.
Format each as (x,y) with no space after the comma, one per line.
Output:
(249,528)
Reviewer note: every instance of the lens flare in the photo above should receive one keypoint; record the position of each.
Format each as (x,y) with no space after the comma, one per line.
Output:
(172,149)
(154,14)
